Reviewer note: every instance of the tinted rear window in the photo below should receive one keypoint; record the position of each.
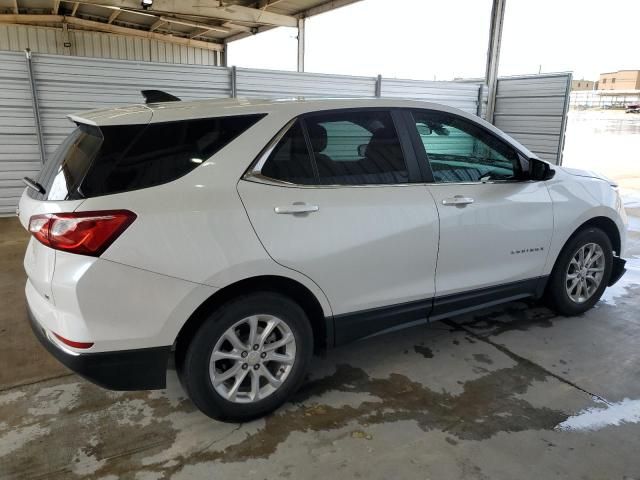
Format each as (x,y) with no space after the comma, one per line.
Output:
(290,160)
(99,161)
(342,148)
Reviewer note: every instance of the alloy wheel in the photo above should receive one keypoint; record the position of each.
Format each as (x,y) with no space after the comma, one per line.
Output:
(252,359)
(585,272)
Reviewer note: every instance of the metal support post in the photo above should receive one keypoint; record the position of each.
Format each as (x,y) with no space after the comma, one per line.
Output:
(301,34)
(234,76)
(36,108)
(493,55)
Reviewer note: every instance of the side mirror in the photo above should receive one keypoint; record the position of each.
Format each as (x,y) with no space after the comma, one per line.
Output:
(539,170)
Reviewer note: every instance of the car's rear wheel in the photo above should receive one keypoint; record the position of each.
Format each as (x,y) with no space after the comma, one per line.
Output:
(581,272)
(248,357)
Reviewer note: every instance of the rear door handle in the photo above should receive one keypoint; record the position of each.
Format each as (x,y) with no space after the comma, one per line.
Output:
(457,200)
(297,207)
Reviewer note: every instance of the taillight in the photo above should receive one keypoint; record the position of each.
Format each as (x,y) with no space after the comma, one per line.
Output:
(86,233)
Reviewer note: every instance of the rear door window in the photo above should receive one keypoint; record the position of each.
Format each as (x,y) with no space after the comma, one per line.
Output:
(340,148)
(290,160)
(356,148)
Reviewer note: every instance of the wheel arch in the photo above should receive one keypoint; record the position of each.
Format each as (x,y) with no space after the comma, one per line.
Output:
(321,326)
(605,224)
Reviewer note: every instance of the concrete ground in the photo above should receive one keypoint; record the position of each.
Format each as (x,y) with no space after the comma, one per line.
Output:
(512,392)
(503,393)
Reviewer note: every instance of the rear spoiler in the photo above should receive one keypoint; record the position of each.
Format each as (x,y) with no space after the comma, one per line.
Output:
(129,114)
(158,96)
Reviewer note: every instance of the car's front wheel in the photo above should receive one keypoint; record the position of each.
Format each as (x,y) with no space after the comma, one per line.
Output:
(248,357)
(581,273)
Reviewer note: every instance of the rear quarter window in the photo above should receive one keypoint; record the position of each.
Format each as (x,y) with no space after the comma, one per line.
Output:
(114,159)
(162,152)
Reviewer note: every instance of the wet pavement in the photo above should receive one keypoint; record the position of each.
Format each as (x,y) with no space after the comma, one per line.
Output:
(607,141)
(508,392)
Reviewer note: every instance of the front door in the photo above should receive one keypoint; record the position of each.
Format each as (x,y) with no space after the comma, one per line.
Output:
(495,226)
(335,201)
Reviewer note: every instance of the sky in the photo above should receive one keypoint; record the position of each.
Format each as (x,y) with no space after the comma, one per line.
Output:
(442,40)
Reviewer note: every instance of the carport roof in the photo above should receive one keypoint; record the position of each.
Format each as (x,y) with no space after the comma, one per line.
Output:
(210,22)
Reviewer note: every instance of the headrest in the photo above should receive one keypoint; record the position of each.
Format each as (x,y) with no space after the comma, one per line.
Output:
(384,148)
(318,136)
(377,144)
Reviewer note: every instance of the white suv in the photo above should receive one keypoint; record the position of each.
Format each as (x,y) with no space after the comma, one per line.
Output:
(241,235)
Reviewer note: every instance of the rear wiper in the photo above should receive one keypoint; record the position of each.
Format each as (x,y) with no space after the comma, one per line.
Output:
(32,184)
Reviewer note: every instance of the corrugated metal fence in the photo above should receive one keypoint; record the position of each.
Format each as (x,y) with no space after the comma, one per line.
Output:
(19,154)
(533,110)
(65,84)
(462,95)
(269,83)
(72,84)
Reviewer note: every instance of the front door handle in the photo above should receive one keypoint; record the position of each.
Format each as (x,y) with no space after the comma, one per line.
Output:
(458,200)
(297,208)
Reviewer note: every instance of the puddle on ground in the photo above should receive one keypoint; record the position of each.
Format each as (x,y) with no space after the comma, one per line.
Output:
(482,358)
(487,406)
(100,433)
(424,351)
(607,415)
(515,316)
(141,429)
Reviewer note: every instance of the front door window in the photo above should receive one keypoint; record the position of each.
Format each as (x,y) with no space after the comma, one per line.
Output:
(460,151)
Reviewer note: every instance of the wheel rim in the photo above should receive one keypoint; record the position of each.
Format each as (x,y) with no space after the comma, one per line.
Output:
(585,272)
(252,359)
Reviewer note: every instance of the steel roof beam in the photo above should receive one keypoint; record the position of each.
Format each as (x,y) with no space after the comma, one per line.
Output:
(204,8)
(114,15)
(30,19)
(264,4)
(107,28)
(241,28)
(189,23)
(157,24)
(326,7)
(198,32)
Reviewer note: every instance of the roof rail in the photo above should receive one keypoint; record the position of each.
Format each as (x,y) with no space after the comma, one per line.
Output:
(158,96)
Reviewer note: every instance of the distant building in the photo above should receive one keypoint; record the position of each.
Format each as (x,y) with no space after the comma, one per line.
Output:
(582,84)
(620,80)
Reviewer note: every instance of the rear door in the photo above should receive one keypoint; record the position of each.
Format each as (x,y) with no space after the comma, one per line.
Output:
(495,225)
(334,198)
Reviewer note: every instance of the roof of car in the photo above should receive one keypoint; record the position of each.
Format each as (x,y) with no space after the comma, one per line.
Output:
(171,111)
(286,107)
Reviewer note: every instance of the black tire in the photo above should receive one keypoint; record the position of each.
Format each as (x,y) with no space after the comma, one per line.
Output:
(556,294)
(194,369)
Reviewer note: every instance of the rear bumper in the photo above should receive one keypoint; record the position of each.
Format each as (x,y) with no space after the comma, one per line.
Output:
(617,270)
(140,369)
